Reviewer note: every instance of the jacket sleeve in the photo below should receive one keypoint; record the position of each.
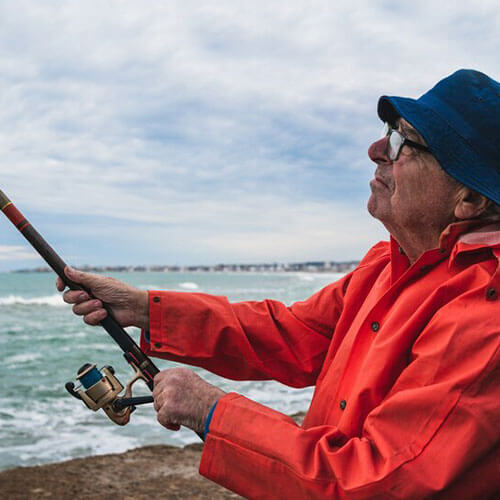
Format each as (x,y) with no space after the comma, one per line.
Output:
(246,340)
(418,441)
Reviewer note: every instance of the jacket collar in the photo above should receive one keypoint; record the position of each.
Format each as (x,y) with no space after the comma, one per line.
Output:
(485,233)
(457,239)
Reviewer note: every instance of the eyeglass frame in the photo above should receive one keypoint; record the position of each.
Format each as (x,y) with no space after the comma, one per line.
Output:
(388,130)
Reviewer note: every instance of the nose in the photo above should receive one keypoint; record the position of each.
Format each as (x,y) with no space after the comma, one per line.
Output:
(378,151)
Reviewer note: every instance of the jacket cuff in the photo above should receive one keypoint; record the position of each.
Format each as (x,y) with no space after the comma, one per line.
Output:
(155,317)
(240,426)
(151,339)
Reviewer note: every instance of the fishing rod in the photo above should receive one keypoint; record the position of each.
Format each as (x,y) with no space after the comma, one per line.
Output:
(99,388)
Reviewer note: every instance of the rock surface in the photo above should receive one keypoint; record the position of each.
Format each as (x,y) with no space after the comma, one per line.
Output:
(151,472)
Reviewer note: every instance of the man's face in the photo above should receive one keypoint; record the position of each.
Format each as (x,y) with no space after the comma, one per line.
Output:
(412,194)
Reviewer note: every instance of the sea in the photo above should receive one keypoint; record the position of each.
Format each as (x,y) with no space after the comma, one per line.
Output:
(42,345)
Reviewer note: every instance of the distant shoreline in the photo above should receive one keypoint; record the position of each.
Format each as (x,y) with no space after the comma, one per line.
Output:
(310,267)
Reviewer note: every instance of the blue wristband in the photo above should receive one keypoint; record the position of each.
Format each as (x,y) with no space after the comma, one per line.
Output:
(209,419)
(146,336)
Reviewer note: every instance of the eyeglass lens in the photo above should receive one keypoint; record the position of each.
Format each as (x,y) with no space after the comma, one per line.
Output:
(395,141)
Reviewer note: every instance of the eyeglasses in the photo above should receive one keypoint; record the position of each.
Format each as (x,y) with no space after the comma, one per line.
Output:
(397,141)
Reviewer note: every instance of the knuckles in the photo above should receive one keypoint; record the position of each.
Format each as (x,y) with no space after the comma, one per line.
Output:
(169,392)
(74,297)
(178,398)
(173,375)
(180,374)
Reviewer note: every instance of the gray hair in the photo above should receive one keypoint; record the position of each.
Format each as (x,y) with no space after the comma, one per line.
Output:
(491,210)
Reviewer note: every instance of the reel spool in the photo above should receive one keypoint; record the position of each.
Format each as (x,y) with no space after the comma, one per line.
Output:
(100,389)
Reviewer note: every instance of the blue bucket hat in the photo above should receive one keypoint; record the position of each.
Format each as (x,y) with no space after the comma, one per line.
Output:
(459,119)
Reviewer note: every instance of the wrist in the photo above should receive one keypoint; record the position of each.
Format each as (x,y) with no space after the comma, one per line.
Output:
(210,403)
(209,419)
(142,310)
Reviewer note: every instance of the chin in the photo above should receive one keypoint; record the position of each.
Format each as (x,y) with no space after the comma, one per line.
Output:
(376,209)
(371,206)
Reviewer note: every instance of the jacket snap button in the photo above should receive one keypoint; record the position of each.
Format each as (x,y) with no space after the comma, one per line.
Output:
(158,344)
(375,326)
(343,404)
(491,293)
(156,299)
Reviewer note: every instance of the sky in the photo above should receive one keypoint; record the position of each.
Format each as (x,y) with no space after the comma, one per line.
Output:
(187,132)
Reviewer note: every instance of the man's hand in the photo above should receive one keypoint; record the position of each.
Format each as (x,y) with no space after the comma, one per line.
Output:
(183,398)
(129,305)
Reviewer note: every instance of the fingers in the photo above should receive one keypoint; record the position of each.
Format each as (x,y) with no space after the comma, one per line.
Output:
(60,284)
(75,296)
(91,310)
(161,404)
(181,397)
(77,277)
(94,318)
(163,416)
(89,280)
(173,427)
(163,419)
(87,307)
(83,303)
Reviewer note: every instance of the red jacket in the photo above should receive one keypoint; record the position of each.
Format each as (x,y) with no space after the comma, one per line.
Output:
(406,364)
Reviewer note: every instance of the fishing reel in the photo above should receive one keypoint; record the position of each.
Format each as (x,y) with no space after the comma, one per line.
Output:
(100,389)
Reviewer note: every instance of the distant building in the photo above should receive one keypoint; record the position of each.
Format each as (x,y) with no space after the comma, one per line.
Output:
(310,266)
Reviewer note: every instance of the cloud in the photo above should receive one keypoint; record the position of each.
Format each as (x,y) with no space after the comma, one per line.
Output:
(16,253)
(198,116)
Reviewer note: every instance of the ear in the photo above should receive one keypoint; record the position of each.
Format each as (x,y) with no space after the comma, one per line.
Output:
(470,204)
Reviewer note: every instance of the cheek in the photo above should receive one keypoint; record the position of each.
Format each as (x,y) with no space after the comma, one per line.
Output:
(419,193)
(402,184)
(408,189)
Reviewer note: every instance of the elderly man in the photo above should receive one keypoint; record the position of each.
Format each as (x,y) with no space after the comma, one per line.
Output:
(404,351)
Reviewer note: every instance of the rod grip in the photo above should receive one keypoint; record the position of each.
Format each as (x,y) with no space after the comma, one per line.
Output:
(4,200)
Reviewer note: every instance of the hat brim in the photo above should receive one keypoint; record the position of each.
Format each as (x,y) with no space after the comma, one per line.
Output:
(462,162)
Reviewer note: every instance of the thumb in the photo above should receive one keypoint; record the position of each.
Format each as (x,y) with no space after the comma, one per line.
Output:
(86,279)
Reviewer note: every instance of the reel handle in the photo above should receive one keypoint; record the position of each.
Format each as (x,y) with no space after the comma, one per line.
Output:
(70,387)
(121,403)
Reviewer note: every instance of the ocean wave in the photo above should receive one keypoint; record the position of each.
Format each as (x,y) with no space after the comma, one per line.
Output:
(21,358)
(189,285)
(248,290)
(305,277)
(47,300)
(318,276)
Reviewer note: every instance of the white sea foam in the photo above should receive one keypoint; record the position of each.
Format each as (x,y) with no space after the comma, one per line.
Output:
(305,277)
(319,276)
(189,285)
(249,291)
(22,358)
(47,300)
(149,287)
